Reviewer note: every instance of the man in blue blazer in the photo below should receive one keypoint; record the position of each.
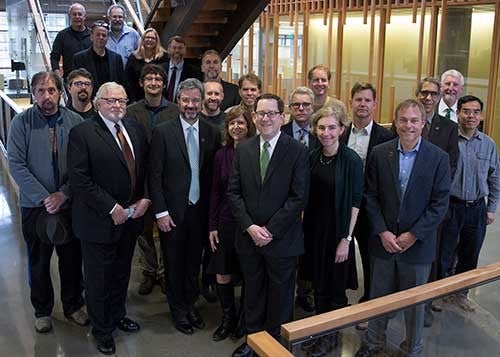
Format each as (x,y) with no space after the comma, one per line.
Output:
(408,184)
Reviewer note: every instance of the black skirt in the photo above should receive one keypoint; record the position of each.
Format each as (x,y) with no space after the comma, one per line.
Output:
(225,260)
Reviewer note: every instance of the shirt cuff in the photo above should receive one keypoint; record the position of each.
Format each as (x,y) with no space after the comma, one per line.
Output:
(113,209)
(161,214)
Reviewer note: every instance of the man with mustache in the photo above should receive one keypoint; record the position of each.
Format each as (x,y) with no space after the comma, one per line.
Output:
(80,87)
(452,86)
(212,111)
(123,39)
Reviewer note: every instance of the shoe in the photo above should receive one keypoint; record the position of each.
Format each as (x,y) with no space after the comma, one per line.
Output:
(43,324)
(463,302)
(163,284)
(305,303)
(243,350)
(106,345)
(362,326)
(208,292)
(428,316)
(437,305)
(366,351)
(184,326)
(147,284)
(308,345)
(79,317)
(127,325)
(195,319)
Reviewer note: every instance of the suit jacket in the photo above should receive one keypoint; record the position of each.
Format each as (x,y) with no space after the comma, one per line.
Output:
(421,209)
(231,95)
(313,140)
(170,172)
(140,113)
(188,71)
(99,178)
(85,59)
(444,133)
(276,202)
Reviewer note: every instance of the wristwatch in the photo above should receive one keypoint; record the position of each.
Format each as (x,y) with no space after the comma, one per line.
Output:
(349,238)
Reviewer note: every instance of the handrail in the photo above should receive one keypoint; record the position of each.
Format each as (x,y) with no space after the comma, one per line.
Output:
(41,32)
(361,312)
(266,346)
(10,102)
(138,24)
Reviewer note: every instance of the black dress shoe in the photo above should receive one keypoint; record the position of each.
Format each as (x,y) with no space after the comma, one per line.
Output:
(366,351)
(184,326)
(243,350)
(128,325)
(106,345)
(195,319)
(305,303)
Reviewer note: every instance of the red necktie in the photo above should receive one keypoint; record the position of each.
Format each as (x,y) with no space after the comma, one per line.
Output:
(129,158)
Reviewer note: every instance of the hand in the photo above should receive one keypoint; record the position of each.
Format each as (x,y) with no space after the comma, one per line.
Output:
(490,217)
(342,252)
(213,236)
(260,235)
(119,215)
(405,241)
(165,223)
(389,242)
(140,207)
(54,201)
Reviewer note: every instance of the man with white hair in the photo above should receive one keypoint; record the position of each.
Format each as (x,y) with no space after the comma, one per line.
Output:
(452,87)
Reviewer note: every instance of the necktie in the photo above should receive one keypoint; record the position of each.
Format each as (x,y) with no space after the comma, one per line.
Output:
(302,136)
(171,84)
(264,159)
(193,153)
(425,130)
(448,113)
(129,157)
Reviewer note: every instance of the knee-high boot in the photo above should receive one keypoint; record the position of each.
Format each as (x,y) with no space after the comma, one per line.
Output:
(228,323)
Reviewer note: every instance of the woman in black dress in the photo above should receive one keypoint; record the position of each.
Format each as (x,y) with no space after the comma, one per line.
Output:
(149,50)
(336,188)
(238,126)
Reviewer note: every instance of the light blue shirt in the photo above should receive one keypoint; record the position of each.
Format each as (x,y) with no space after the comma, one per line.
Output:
(406,161)
(125,44)
(297,131)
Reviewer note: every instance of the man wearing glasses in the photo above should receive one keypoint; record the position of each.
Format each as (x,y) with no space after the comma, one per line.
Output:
(103,64)
(123,39)
(267,192)
(80,87)
(107,160)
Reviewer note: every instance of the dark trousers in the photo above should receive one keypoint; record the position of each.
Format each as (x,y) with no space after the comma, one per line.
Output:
(269,291)
(39,255)
(151,261)
(463,235)
(182,249)
(107,274)
(363,235)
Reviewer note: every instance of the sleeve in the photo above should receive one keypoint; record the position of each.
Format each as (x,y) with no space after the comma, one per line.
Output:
(453,151)
(373,208)
(56,53)
(157,164)
(493,180)
(357,180)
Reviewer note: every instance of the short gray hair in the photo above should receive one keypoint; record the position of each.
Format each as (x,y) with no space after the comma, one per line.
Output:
(116,6)
(301,90)
(453,73)
(76,4)
(105,87)
(191,83)
(432,80)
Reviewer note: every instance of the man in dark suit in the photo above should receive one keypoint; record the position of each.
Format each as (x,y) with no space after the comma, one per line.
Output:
(182,152)
(177,68)
(267,192)
(151,111)
(104,65)
(107,159)
(408,185)
(211,66)
(362,135)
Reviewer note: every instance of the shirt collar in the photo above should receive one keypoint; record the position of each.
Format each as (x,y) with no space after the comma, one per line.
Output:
(296,127)
(186,125)
(476,135)
(271,142)
(179,65)
(443,106)
(368,128)
(163,104)
(111,124)
(415,149)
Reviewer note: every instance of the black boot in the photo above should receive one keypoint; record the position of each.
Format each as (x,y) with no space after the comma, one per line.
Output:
(240,330)
(226,296)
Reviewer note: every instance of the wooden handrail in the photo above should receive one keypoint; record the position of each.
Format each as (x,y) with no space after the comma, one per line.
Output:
(138,24)
(361,312)
(266,346)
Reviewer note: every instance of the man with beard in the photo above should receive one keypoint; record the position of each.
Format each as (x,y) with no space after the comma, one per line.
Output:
(104,65)
(452,86)
(80,87)
(319,81)
(182,152)
(70,41)
(107,158)
(211,110)
(211,66)
(37,149)
(122,38)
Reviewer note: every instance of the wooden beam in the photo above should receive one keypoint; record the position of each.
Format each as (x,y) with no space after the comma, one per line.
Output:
(181,19)
(380,62)
(266,346)
(135,19)
(431,52)
(493,76)
(421,41)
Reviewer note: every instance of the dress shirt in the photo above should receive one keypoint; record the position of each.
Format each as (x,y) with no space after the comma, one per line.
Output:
(272,144)
(360,139)
(154,112)
(478,170)
(297,131)
(443,109)
(125,44)
(406,161)
(180,67)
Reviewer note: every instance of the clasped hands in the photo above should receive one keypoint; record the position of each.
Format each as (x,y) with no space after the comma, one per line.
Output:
(260,235)
(120,214)
(399,244)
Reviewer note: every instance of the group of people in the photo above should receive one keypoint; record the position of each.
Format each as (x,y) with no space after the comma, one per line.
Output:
(233,191)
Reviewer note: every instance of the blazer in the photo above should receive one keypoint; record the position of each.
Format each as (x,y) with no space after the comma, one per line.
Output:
(444,133)
(170,172)
(140,113)
(419,211)
(231,95)
(276,202)
(313,140)
(188,71)
(99,178)
(85,59)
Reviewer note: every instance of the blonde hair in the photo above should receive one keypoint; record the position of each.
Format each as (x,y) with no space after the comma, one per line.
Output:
(159,51)
(335,110)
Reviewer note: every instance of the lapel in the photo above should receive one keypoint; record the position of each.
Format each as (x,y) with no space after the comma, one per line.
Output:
(254,161)
(277,157)
(393,158)
(418,167)
(202,140)
(103,131)
(373,137)
(91,64)
(179,136)
(347,133)
(435,125)
(135,143)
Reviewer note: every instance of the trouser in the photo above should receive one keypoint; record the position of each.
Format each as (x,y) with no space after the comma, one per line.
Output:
(39,256)
(151,260)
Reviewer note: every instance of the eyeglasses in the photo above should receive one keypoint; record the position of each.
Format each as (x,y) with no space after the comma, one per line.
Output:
(111,101)
(270,115)
(80,84)
(425,93)
(468,112)
(186,100)
(100,24)
(297,105)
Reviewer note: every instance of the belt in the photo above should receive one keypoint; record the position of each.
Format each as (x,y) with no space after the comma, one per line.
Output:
(458,202)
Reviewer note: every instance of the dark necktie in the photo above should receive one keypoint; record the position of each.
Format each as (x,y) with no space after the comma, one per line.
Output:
(425,130)
(448,113)
(171,84)
(302,136)
(129,157)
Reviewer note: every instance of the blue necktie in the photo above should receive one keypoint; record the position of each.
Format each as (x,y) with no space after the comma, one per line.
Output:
(193,153)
